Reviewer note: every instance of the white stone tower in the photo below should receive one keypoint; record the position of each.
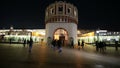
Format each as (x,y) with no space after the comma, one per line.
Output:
(61,21)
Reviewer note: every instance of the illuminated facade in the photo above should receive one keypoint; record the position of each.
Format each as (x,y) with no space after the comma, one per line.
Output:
(61,21)
(89,36)
(18,35)
(100,35)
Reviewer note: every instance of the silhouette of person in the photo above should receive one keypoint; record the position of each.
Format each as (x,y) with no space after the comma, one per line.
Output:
(97,45)
(10,40)
(24,42)
(72,44)
(104,46)
(101,46)
(30,44)
(116,45)
(59,44)
(27,42)
(54,43)
(78,44)
(82,44)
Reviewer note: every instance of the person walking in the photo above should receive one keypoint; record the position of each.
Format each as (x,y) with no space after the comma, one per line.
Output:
(97,45)
(10,40)
(24,42)
(54,43)
(72,44)
(30,45)
(79,44)
(59,44)
(116,45)
(82,44)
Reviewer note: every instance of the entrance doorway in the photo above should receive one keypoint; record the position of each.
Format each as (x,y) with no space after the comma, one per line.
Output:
(61,34)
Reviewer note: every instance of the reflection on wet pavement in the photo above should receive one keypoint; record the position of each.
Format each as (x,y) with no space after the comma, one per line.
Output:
(17,56)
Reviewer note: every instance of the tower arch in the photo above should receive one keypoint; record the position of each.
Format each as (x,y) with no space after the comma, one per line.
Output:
(60,32)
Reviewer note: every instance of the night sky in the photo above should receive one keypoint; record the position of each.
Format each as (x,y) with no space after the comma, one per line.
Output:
(29,14)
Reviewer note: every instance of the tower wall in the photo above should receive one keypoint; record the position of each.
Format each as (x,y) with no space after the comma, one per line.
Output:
(70,27)
(61,15)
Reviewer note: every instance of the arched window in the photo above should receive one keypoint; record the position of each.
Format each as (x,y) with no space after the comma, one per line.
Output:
(75,13)
(69,10)
(52,11)
(60,9)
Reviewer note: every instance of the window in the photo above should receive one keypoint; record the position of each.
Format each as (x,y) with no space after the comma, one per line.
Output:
(52,11)
(75,13)
(60,9)
(69,9)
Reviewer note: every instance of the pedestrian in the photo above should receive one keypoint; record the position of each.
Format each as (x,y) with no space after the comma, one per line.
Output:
(59,45)
(30,45)
(97,45)
(116,45)
(24,42)
(101,46)
(27,42)
(72,44)
(10,40)
(104,46)
(82,44)
(54,43)
(79,44)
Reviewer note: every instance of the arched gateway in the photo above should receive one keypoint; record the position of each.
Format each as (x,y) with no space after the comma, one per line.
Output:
(60,33)
(61,21)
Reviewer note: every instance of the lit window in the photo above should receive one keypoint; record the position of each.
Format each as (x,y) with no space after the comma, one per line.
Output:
(114,32)
(117,32)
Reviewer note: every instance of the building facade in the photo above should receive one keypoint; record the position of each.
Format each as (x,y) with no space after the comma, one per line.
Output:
(100,35)
(61,21)
(19,35)
(89,36)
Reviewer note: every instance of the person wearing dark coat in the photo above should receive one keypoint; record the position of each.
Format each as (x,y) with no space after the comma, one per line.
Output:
(24,42)
(59,44)
(82,44)
(116,45)
(54,43)
(97,45)
(78,44)
(72,44)
(30,44)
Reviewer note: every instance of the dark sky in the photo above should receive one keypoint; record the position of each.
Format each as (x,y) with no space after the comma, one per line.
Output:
(93,14)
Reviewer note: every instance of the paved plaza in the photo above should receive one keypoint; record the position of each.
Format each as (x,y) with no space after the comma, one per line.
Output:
(43,56)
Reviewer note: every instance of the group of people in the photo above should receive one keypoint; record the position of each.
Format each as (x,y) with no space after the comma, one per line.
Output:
(81,44)
(100,46)
(57,44)
(29,43)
